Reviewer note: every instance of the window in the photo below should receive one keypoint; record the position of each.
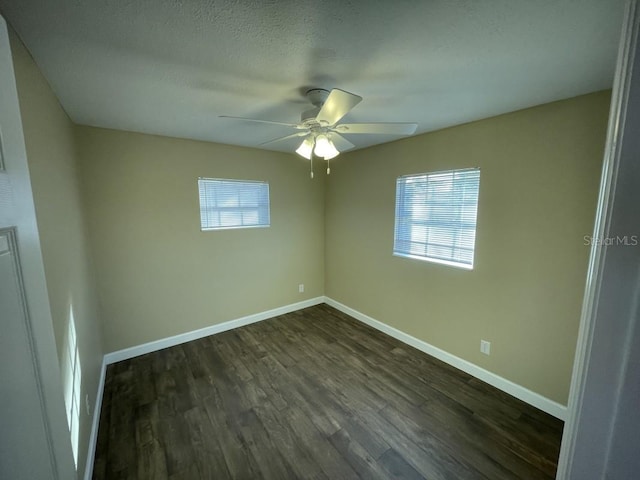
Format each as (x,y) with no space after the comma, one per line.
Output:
(228,204)
(436,216)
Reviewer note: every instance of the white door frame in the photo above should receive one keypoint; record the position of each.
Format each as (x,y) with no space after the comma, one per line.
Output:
(610,308)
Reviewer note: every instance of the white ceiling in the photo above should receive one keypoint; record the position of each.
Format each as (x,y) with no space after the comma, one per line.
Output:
(171,67)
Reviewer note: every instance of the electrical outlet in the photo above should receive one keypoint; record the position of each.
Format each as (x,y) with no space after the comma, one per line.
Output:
(301,288)
(485,347)
(86,404)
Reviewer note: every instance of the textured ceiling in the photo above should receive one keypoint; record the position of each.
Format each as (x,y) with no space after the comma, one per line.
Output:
(171,67)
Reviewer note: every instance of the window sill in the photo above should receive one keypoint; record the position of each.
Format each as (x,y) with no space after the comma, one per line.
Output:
(462,266)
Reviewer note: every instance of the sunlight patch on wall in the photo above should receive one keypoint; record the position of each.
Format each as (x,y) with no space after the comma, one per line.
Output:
(72,381)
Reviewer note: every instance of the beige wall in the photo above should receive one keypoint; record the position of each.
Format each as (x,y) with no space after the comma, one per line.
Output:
(51,156)
(159,275)
(540,171)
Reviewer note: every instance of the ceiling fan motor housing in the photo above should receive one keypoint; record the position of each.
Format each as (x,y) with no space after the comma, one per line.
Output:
(317,97)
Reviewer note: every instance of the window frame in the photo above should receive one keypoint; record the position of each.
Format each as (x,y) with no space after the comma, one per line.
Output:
(262,209)
(402,234)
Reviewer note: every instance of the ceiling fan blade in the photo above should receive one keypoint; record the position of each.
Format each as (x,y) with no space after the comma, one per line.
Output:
(293,135)
(292,125)
(377,128)
(337,105)
(341,143)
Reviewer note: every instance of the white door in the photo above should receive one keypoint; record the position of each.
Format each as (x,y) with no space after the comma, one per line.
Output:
(34,437)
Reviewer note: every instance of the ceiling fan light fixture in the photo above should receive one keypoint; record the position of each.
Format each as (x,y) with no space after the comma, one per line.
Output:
(325,148)
(322,145)
(306,148)
(333,154)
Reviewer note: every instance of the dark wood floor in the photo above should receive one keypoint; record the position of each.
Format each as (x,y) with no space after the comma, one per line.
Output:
(313,394)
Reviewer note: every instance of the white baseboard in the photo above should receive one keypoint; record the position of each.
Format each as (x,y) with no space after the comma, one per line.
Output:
(518,391)
(93,438)
(149,347)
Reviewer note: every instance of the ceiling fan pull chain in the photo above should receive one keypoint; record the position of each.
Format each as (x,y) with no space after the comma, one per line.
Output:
(311,163)
(328,167)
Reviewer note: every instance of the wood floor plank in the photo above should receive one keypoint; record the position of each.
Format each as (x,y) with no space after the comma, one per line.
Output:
(152,462)
(318,405)
(204,439)
(189,473)
(121,459)
(143,374)
(375,445)
(313,394)
(237,458)
(151,456)
(269,459)
(365,464)
(428,466)
(175,432)
(438,450)
(102,443)
(331,461)
(397,467)
(304,466)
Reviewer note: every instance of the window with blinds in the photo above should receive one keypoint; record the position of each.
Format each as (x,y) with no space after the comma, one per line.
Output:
(436,216)
(226,204)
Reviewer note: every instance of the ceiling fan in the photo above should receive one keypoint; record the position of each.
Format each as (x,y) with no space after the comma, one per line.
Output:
(320,129)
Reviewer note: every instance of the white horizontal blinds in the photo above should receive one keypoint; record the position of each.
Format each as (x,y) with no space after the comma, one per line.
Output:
(436,216)
(233,203)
